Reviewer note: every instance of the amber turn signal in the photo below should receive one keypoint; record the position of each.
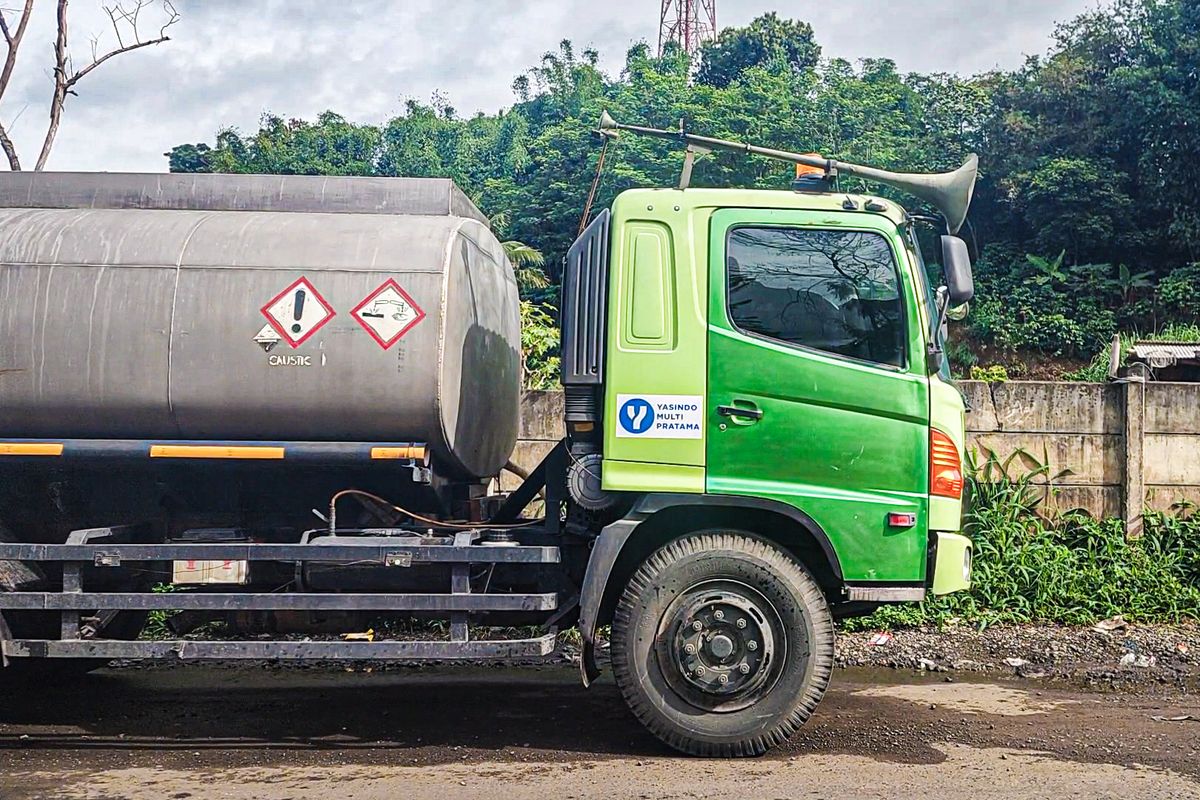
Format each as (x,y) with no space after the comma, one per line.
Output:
(945,466)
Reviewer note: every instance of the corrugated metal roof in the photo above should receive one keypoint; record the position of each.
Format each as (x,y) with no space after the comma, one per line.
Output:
(1165,353)
(1174,349)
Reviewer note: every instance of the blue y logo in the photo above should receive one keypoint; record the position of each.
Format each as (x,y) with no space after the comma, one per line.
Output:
(636,416)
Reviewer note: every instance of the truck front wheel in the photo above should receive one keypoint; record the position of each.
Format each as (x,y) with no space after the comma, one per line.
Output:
(722,644)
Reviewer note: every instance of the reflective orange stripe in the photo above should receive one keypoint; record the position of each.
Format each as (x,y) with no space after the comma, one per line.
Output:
(415,453)
(30,449)
(210,451)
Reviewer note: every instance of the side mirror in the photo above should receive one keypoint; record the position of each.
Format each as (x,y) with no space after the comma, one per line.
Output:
(956,264)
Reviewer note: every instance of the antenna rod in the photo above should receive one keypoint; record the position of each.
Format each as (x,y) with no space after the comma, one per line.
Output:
(608,126)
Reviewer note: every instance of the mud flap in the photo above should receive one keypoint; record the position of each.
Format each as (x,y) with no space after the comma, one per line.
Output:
(600,565)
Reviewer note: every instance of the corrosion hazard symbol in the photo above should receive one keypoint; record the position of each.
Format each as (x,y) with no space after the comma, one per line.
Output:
(297,312)
(388,313)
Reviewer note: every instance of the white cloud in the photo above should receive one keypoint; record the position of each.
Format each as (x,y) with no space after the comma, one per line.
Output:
(231,60)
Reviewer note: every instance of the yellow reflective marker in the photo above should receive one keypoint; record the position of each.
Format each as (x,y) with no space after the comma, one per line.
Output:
(31,449)
(415,453)
(214,451)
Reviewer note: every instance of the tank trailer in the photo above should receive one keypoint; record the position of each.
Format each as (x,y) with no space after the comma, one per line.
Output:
(277,405)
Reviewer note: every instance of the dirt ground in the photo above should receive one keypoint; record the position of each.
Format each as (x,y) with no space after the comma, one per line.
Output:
(1111,655)
(270,733)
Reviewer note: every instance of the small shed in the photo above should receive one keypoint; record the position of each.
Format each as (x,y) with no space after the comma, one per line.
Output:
(1168,361)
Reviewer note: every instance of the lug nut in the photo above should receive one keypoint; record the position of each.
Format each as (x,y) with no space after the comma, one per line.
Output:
(724,679)
(689,648)
(718,614)
(751,645)
(697,625)
(744,669)
(741,623)
(700,670)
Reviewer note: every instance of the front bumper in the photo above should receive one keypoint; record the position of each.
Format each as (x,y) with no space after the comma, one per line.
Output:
(952,563)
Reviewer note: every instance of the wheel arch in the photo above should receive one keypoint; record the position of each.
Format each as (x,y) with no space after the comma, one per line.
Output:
(656,519)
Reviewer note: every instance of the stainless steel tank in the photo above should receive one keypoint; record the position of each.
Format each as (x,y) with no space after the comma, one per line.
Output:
(266,308)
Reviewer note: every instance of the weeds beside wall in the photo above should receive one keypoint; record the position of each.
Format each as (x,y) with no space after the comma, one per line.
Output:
(1066,568)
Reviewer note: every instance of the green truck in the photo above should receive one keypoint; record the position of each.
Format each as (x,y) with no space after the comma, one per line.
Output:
(761,436)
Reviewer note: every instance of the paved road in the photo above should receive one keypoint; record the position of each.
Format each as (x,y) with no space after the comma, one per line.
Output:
(270,734)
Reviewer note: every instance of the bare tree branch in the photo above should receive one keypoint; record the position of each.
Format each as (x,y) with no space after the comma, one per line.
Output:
(60,85)
(66,77)
(10,150)
(13,40)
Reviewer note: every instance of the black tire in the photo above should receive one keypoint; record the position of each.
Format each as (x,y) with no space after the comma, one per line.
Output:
(759,701)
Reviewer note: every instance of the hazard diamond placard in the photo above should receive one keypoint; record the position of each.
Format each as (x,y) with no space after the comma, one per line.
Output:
(388,313)
(297,312)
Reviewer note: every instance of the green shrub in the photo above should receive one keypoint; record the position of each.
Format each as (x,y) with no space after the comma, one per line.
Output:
(539,347)
(996,373)
(1033,302)
(1178,294)
(960,355)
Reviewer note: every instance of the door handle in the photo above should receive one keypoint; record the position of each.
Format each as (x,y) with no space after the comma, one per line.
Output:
(738,411)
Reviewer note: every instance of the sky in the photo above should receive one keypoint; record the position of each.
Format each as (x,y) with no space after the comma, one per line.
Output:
(229,61)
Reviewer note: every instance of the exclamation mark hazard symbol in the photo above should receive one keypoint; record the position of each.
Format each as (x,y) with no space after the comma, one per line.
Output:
(298,311)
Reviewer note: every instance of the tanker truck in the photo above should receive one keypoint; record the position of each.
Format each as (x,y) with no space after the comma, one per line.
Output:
(276,407)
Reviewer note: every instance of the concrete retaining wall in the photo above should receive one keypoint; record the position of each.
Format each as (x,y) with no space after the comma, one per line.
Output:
(1112,449)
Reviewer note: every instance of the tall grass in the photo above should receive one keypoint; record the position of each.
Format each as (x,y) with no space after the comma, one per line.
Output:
(1032,565)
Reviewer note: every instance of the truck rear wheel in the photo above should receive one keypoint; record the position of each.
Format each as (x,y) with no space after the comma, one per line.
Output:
(722,644)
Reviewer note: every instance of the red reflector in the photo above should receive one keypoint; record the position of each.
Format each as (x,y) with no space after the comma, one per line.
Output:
(945,467)
(902,520)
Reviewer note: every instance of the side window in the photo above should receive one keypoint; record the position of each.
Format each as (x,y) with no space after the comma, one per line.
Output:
(836,291)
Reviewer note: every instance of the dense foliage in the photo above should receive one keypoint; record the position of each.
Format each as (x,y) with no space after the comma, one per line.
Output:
(1087,217)
(1064,568)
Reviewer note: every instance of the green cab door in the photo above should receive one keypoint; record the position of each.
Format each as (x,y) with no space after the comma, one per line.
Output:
(817,390)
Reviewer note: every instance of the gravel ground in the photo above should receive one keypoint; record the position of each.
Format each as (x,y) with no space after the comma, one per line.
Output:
(1112,655)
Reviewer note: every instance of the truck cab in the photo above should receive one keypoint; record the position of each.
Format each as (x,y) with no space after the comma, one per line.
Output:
(781,346)
(768,363)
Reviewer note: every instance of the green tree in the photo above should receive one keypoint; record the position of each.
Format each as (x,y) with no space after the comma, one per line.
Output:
(329,146)
(767,40)
(190,158)
(527,264)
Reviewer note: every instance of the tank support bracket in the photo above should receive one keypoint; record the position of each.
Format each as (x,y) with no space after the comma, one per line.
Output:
(551,475)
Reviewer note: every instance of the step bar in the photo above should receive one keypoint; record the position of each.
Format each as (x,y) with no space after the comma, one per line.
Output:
(278,601)
(113,555)
(117,546)
(187,650)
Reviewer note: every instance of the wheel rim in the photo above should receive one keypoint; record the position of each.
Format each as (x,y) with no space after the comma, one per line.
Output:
(721,645)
